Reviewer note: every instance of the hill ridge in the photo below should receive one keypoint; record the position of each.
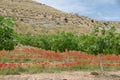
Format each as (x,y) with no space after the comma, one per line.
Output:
(37,18)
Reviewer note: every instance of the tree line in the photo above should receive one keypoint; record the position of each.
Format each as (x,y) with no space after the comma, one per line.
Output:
(100,40)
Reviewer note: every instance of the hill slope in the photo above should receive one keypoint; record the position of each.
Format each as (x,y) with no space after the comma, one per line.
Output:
(37,18)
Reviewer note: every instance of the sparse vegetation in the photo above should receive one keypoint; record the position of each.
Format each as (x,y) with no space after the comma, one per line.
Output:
(47,19)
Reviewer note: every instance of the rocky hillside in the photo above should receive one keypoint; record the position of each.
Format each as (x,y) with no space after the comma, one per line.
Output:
(37,18)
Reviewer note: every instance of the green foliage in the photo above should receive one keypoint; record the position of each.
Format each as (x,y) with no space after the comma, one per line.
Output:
(6,33)
(58,42)
(100,41)
(41,41)
(64,41)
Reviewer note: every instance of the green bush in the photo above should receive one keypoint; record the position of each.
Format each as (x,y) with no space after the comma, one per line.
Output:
(99,41)
(7,41)
(64,41)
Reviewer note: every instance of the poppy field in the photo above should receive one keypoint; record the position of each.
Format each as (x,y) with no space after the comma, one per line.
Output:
(26,59)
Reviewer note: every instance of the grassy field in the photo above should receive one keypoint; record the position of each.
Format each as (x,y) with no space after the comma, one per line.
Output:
(25,59)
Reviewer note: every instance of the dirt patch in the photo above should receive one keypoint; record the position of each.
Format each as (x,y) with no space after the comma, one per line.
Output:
(76,75)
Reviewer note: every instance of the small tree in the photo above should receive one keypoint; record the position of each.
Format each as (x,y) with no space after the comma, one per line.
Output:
(64,41)
(6,33)
(100,41)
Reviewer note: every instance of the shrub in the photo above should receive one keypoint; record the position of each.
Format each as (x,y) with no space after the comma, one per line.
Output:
(6,33)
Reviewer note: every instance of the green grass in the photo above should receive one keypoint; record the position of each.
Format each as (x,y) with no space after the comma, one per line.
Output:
(32,69)
(4,59)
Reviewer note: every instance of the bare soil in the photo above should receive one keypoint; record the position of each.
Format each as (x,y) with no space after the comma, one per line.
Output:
(76,75)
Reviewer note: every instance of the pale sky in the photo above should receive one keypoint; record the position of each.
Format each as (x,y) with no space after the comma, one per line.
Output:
(98,9)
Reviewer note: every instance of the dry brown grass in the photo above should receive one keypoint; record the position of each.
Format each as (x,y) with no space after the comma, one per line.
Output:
(37,18)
